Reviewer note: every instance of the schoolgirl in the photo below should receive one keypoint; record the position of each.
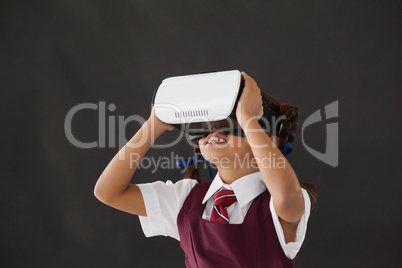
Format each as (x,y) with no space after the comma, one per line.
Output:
(250,215)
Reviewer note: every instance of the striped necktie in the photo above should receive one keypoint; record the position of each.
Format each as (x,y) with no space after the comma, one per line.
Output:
(222,199)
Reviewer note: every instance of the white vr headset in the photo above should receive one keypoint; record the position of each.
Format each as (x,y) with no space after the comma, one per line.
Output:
(198,103)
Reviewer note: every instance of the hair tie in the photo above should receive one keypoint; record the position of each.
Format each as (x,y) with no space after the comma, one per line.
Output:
(197,159)
(287,150)
(282,108)
(185,163)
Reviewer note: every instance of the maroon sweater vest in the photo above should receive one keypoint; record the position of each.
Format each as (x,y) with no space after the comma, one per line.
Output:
(254,243)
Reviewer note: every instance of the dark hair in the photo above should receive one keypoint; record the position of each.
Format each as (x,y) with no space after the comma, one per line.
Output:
(287,134)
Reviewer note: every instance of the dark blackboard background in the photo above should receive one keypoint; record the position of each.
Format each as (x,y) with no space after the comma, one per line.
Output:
(57,54)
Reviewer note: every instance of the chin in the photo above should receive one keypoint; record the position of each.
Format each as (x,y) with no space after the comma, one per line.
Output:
(214,155)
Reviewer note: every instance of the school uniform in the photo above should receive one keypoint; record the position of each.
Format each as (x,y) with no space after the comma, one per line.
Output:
(253,237)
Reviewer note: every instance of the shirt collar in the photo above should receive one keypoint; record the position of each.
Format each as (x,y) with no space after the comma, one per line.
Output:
(246,188)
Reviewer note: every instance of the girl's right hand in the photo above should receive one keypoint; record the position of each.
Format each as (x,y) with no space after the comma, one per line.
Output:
(158,123)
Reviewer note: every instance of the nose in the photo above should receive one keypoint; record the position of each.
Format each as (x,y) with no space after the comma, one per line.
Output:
(210,129)
(207,131)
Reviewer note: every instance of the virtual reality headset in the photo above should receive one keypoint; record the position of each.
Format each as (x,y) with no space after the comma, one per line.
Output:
(199,103)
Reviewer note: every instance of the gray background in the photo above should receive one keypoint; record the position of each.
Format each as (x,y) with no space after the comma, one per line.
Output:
(57,54)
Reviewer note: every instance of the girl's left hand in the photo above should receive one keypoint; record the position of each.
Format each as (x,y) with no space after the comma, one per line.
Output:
(250,102)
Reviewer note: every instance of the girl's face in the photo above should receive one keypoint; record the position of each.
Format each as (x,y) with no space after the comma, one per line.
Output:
(227,150)
(221,149)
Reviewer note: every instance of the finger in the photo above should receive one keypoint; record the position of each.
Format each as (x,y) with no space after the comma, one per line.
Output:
(246,76)
(248,81)
(261,111)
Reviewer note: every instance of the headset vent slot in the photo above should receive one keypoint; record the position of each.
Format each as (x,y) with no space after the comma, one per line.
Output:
(191,113)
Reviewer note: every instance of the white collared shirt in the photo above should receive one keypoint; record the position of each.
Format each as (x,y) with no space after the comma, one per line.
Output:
(163,201)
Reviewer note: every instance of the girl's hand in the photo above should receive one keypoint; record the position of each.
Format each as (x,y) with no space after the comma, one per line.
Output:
(157,123)
(250,102)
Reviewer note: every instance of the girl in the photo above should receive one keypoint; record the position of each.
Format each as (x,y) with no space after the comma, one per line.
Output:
(251,215)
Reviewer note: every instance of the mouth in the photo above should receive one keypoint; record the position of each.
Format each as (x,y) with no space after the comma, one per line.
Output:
(215,138)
